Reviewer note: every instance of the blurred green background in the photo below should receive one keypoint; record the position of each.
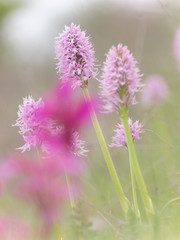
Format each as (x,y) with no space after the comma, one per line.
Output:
(27,67)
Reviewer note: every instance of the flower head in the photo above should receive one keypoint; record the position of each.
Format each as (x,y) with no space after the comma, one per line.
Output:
(77,146)
(119,139)
(30,123)
(75,56)
(120,79)
(155,91)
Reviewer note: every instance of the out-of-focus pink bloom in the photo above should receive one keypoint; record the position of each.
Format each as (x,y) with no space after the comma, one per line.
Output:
(119,139)
(120,79)
(54,121)
(7,171)
(43,183)
(75,56)
(68,114)
(176,46)
(12,228)
(155,91)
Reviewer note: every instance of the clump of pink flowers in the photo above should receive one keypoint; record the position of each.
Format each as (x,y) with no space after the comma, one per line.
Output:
(75,56)
(155,91)
(119,139)
(120,79)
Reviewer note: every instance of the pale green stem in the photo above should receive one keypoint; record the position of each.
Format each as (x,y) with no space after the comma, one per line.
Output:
(123,200)
(134,162)
(39,153)
(136,208)
(170,202)
(72,202)
(57,231)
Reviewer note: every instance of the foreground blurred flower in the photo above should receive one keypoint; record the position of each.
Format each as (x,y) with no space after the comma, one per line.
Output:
(155,91)
(75,56)
(43,184)
(68,114)
(120,79)
(12,228)
(119,139)
(54,121)
(176,45)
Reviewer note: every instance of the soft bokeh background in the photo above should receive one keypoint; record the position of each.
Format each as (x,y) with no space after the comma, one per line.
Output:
(27,67)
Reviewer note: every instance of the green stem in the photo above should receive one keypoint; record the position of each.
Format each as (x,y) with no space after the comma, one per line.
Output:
(72,202)
(134,162)
(123,200)
(134,192)
(170,202)
(57,231)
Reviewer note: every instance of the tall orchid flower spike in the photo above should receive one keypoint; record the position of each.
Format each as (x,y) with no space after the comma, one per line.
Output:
(120,81)
(75,56)
(76,61)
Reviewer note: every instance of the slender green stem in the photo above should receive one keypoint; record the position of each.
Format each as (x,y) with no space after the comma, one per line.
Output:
(123,200)
(57,231)
(170,202)
(72,202)
(134,162)
(39,154)
(134,192)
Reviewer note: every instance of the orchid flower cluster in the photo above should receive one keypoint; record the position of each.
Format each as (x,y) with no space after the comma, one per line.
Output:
(51,126)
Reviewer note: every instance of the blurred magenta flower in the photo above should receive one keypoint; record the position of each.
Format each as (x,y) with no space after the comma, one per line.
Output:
(119,139)
(75,56)
(120,79)
(54,121)
(12,228)
(155,90)
(42,183)
(176,46)
(68,114)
